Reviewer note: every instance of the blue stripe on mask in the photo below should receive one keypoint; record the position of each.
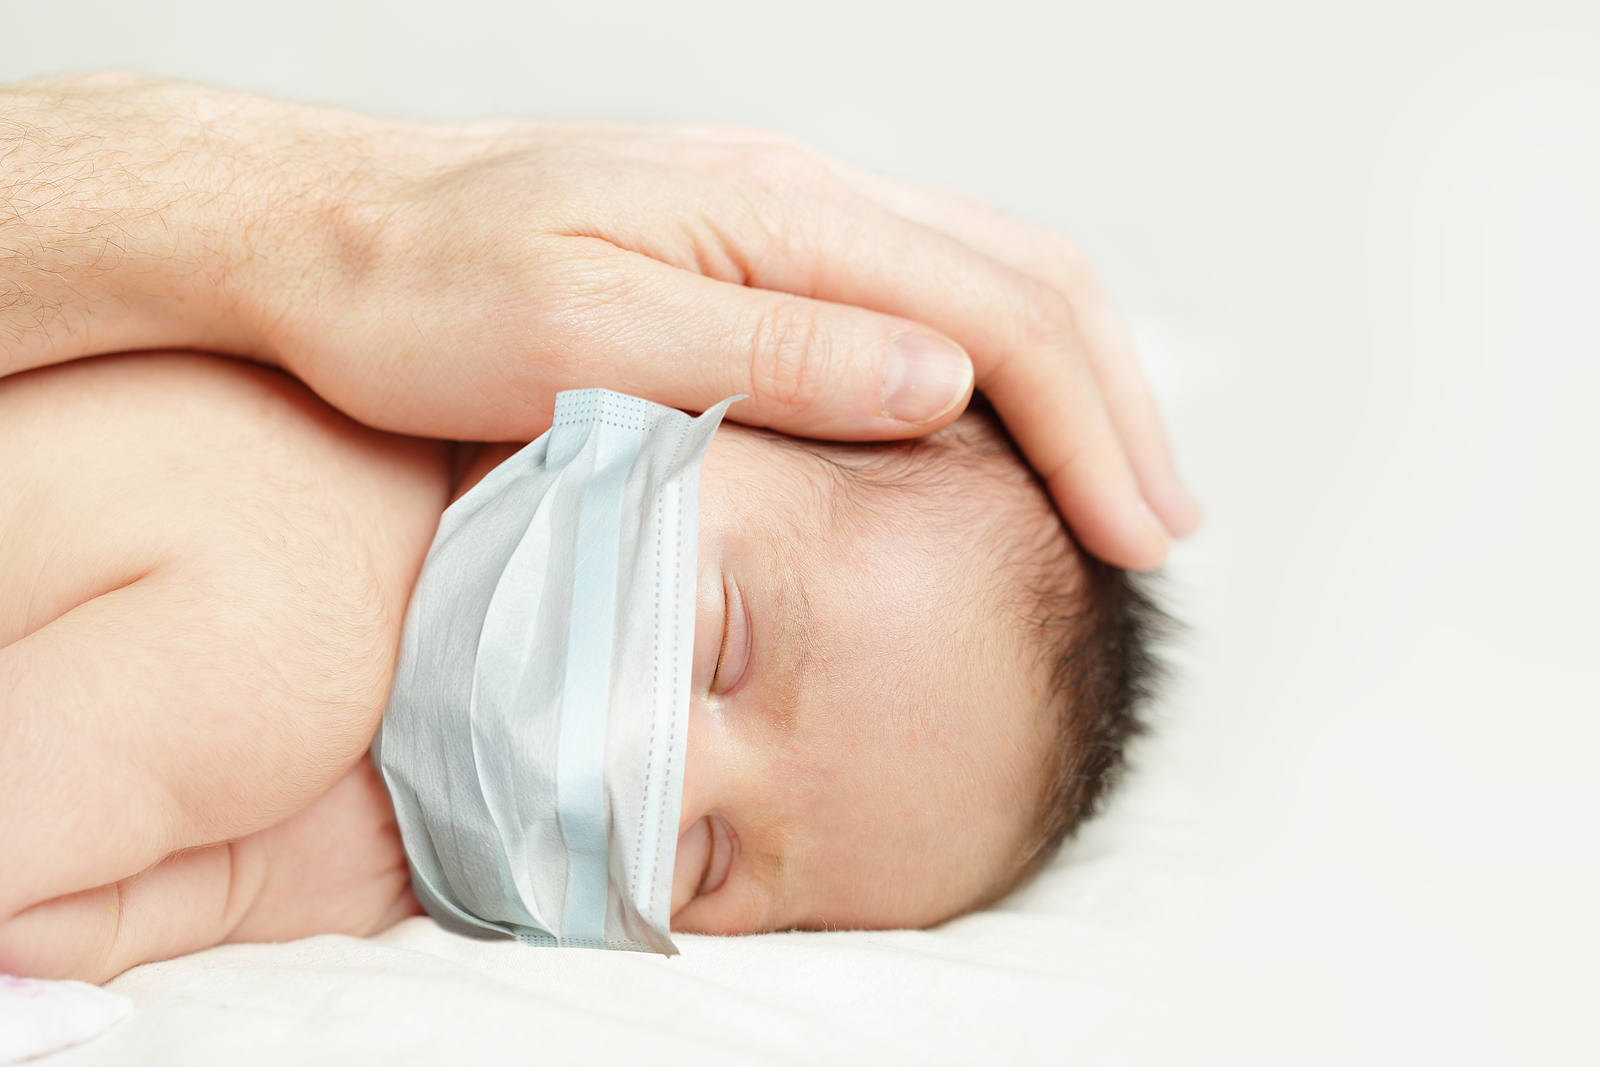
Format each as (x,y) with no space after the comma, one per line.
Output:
(580,787)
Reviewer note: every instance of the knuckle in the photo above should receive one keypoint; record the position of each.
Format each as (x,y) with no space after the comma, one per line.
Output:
(1065,264)
(790,354)
(1046,319)
(790,165)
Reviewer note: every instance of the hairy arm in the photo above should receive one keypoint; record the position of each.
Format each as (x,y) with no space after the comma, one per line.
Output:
(448,280)
(140,214)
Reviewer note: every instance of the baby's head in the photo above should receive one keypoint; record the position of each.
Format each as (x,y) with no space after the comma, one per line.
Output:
(909,682)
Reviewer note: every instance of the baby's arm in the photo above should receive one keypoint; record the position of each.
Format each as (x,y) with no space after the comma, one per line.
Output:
(202,580)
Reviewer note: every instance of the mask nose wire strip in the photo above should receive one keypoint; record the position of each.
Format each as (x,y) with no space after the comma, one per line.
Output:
(649,835)
(580,787)
(671,686)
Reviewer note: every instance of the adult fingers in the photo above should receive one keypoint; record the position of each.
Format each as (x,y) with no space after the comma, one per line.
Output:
(858,346)
(1057,261)
(831,368)
(1025,338)
(810,367)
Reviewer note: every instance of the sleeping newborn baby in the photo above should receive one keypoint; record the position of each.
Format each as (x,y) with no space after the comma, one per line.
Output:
(905,683)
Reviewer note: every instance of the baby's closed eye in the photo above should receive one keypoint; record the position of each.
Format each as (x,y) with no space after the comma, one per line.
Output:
(733,658)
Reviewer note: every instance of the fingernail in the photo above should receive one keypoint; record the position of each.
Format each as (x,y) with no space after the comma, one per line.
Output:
(923,377)
(1190,514)
(1178,510)
(1155,524)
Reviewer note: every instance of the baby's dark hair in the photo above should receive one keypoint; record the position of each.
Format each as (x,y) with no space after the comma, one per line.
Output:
(1094,626)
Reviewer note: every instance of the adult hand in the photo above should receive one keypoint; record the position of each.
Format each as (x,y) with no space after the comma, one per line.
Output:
(448,281)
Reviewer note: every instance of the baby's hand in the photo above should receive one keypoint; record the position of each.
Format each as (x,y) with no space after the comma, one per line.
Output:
(337,867)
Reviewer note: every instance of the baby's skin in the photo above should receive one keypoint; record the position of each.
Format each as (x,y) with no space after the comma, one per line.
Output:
(203,570)
(203,574)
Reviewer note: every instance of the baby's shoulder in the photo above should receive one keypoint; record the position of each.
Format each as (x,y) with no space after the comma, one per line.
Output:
(118,466)
(180,422)
(180,408)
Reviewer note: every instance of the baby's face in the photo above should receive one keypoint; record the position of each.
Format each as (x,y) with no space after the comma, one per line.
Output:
(866,735)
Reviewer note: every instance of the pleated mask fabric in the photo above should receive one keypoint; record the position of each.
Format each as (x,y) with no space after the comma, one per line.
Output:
(534,739)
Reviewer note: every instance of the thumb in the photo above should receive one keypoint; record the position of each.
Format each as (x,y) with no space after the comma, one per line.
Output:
(811,367)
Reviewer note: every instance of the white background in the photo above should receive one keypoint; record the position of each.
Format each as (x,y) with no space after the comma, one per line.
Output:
(1361,246)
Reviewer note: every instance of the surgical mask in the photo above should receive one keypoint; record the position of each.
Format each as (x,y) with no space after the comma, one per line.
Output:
(534,739)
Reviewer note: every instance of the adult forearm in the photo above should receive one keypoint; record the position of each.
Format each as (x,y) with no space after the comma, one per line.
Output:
(137,214)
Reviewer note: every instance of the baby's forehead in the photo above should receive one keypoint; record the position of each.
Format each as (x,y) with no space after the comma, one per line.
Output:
(961,503)
(965,477)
